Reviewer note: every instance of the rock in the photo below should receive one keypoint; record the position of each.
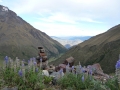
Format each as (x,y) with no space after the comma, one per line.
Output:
(56,75)
(12,88)
(51,69)
(45,72)
(69,60)
(97,71)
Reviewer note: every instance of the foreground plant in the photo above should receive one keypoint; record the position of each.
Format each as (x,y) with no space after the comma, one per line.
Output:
(113,84)
(30,78)
(117,66)
(33,81)
(77,82)
(86,82)
(21,76)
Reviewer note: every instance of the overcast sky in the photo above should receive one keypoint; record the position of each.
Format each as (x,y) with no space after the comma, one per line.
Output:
(68,17)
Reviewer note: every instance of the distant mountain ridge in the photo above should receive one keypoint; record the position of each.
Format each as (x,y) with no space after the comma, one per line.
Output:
(70,41)
(83,38)
(19,38)
(103,48)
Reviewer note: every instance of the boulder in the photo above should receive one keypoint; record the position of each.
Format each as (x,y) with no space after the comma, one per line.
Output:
(97,71)
(69,60)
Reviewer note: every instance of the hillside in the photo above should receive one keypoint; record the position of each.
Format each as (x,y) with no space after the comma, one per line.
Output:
(19,38)
(103,48)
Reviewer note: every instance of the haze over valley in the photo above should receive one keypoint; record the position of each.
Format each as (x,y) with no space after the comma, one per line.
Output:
(70,41)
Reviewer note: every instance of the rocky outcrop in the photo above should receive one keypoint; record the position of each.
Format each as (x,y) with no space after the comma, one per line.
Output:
(97,71)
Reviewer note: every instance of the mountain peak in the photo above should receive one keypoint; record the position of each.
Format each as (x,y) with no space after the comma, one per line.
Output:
(4,8)
(19,38)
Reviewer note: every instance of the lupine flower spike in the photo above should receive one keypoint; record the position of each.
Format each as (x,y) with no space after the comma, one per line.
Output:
(20,73)
(117,66)
(67,68)
(40,63)
(90,72)
(61,72)
(36,69)
(6,59)
(73,70)
(83,78)
(5,63)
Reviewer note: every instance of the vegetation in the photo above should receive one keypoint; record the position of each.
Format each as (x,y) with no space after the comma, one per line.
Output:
(77,82)
(14,74)
(103,49)
(52,59)
(31,80)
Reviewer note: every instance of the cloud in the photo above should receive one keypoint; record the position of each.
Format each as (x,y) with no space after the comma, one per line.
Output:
(93,9)
(78,16)
(82,8)
(64,18)
(58,17)
(1,1)
(55,29)
(89,20)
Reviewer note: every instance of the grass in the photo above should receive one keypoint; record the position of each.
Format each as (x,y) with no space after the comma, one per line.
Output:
(54,58)
(34,80)
(73,82)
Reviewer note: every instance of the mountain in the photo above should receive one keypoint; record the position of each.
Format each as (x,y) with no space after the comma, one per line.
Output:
(19,38)
(70,41)
(83,38)
(103,48)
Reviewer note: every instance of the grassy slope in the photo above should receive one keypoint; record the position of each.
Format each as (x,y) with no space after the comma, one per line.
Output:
(18,38)
(103,49)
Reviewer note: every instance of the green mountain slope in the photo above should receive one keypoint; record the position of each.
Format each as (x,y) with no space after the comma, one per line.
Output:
(103,48)
(19,38)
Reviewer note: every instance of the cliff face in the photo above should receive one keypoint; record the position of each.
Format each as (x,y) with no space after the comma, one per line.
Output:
(103,48)
(19,38)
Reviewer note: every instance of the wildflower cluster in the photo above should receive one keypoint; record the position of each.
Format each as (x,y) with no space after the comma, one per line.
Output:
(118,70)
(81,80)
(16,73)
(30,77)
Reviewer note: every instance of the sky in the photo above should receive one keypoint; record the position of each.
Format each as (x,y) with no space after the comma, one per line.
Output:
(68,17)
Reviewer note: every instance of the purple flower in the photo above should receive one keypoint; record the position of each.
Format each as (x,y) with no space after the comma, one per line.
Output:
(36,69)
(20,73)
(61,70)
(117,64)
(83,78)
(35,63)
(83,70)
(72,67)
(80,66)
(40,59)
(33,59)
(90,72)
(23,64)
(6,59)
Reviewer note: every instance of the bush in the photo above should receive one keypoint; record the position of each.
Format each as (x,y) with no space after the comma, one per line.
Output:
(75,81)
(113,84)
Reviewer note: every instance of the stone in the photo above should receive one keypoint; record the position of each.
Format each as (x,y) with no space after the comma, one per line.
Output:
(45,72)
(69,60)
(56,75)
